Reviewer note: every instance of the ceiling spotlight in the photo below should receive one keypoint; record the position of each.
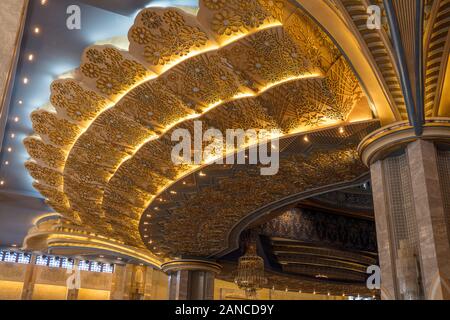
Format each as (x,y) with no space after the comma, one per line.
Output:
(30,57)
(20,102)
(201,174)
(119,258)
(9,149)
(16,119)
(43,2)
(173,192)
(306,139)
(184,182)
(341,130)
(25,80)
(2,183)
(101,256)
(13,135)
(37,30)
(6,163)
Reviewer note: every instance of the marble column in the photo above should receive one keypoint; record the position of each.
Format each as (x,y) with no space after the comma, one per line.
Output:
(30,279)
(411,209)
(431,219)
(191,279)
(73,289)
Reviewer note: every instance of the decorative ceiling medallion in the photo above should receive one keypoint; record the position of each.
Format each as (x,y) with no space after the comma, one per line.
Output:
(102,151)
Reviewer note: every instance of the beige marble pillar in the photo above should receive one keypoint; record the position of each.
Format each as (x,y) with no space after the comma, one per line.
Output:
(191,279)
(29,280)
(118,283)
(12,17)
(431,219)
(410,194)
(381,207)
(72,293)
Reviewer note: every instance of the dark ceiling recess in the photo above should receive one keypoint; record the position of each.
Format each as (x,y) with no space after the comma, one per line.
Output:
(123,7)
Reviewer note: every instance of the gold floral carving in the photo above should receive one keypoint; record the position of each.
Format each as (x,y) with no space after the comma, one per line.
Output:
(49,155)
(162,36)
(57,131)
(234,66)
(111,71)
(71,99)
(199,225)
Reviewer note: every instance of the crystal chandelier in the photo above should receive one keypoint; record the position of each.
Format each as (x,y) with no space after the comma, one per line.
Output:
(250,272)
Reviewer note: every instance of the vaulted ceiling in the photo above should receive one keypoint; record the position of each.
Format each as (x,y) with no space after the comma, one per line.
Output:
(101,152)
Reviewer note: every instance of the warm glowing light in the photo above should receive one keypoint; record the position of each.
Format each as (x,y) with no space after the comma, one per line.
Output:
(341,130)
(43,2)
(25,80)
(20,102)
(14,245)
(201,174)
(16,119)
(2,183)
(37,30)
(13,135)
(30,57)
(173,192)
(9,149)
(306,139)
(6,163)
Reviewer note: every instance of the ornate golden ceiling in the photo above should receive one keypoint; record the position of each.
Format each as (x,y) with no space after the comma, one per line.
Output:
(101,153)
(195,216)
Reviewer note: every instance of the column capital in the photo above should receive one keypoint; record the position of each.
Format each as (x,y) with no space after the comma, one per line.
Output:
(388,139)
(191,265)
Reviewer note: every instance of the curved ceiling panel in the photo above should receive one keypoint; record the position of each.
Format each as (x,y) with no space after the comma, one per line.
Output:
(102,150)
(195,215)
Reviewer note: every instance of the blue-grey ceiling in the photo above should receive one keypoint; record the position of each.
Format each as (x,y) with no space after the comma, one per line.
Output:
(57,50)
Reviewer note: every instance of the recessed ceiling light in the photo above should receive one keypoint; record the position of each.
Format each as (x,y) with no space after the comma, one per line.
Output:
(16,119)
(25,80)
(13,135)
(37,30)
(20,102)
(30,57)
(341,130)
(6,163)
(43,2)
(306,139)
(9,149)
(2,183)
(14,245)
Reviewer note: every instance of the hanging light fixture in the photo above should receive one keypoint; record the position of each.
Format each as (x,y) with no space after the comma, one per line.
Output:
(250,272)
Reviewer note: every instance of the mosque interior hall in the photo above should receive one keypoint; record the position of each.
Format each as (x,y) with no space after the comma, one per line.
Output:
(224,150)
